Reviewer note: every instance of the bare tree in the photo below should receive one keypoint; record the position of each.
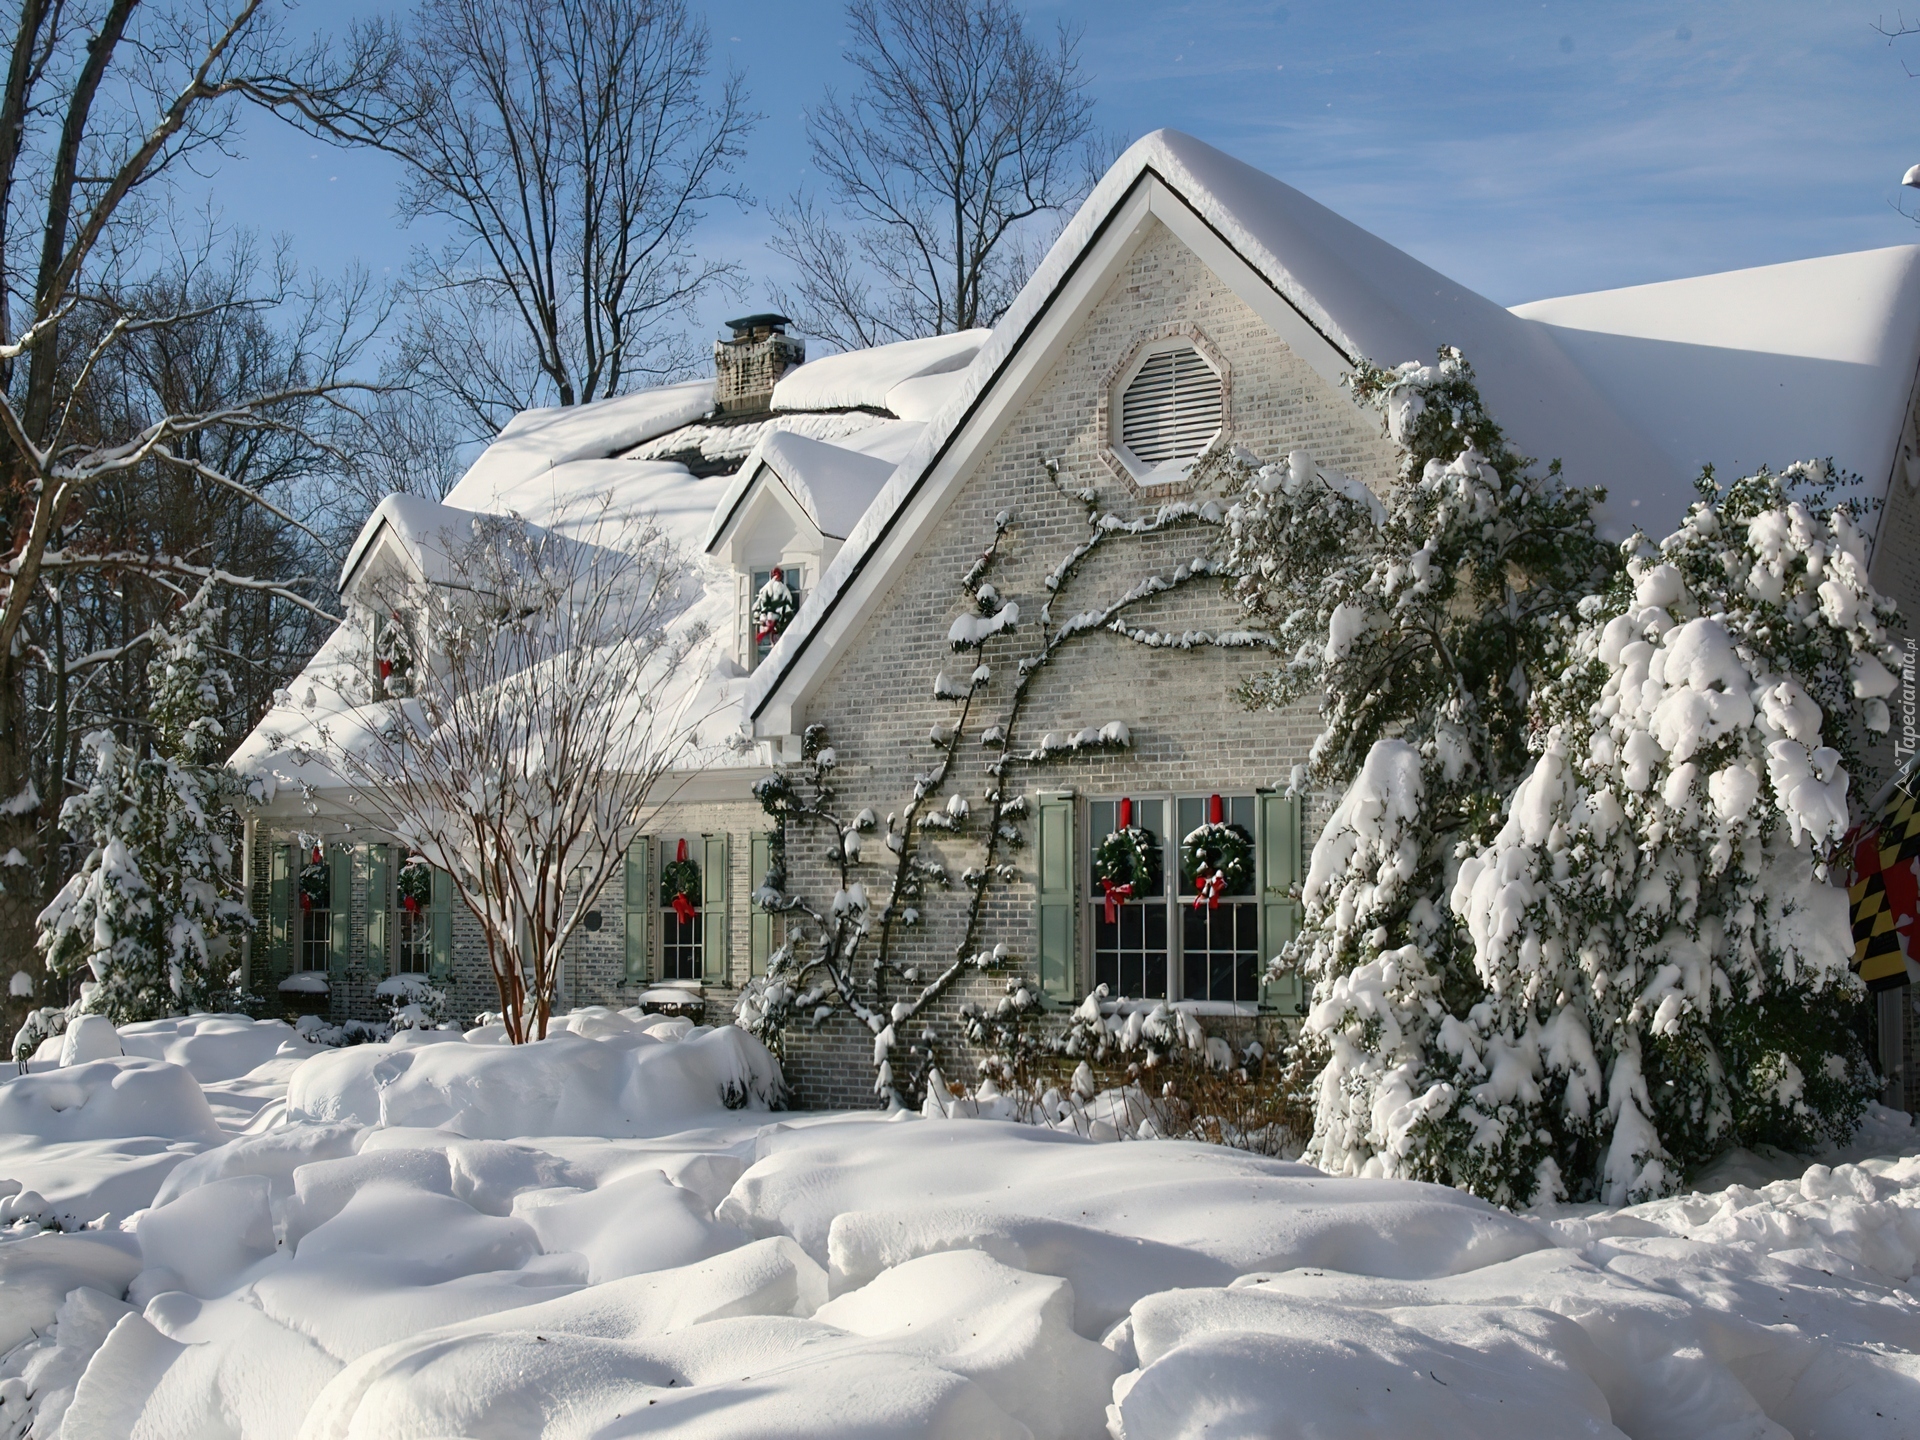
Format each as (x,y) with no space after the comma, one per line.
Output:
(533,705)
(963,132)
(103,101)
(569,148)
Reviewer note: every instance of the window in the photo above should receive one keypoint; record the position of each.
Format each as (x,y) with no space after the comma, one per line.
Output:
(316,912)
(392,656)
(1171,407)
(413,955)
(1219,933)
(682,942)
(1166,939)
(1129,931)
(761,634)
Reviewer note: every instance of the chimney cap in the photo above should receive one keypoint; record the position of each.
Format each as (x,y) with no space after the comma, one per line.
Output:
(747,324)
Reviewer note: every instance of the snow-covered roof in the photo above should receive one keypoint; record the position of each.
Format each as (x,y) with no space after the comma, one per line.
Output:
(1559,396)
(867,377)
(1631,389)
(537,440)
(417,523)
(832,482)
(1361,295)
(1807,360)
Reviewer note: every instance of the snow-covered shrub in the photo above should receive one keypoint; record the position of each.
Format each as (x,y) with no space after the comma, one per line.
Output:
(1144,1069)
(154,907)
(1567,927)
(40,1026)
(411,1003)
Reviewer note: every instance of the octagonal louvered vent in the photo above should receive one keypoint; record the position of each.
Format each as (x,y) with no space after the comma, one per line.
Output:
(1171,407)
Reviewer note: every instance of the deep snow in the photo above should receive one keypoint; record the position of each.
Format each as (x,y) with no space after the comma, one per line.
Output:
(447,1236)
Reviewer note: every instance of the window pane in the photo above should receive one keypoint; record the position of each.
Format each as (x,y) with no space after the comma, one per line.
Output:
(316,933)
(681,952)
(1220,950)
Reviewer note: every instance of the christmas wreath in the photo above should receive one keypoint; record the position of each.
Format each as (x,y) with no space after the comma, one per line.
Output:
(316,885)
(773,608)
(1126,865)
(416,885)
(680,885)
(394,656)
(1216,859)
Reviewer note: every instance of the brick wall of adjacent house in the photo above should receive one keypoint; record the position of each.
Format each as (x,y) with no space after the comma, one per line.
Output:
(1191,734)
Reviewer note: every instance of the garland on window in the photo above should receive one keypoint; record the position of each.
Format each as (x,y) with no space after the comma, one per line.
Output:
(416,885)
(680,885)
(316,884)
(1216,859)
(773,608)
(1126,865)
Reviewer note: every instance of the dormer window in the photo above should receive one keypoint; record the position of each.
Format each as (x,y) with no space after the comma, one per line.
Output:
(392,657)
(777,593)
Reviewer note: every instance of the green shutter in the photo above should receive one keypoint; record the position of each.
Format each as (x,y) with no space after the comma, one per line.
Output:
(638,892)
(1053,886)
(760,923)
(340,903)
(713,911)
(379,908)
(1278,846)
(440,905)
(279,912)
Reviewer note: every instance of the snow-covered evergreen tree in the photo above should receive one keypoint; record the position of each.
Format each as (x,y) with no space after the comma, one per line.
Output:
(1667,968)
(1512,947)
(1422,618)
(156,890)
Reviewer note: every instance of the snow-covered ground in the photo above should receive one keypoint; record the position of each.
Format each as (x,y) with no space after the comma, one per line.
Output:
(231,1233)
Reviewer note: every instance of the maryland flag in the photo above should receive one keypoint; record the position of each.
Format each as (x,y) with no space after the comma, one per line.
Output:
(1885,893)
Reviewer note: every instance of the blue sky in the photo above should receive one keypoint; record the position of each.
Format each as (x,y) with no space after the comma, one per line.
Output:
(1525,148)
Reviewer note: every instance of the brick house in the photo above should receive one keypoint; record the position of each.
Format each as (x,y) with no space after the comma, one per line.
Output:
(1191,298)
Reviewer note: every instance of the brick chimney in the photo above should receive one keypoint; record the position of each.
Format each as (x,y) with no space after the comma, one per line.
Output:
(746,368)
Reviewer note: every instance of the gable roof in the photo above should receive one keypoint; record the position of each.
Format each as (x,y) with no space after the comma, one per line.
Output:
(1357,294)
(1812,359)
(833,483)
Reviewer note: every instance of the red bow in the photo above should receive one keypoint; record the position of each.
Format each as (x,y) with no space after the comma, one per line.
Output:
(1207,888)
(413,905)
(1117,895)
(764,634)
(306,902)
(683,908)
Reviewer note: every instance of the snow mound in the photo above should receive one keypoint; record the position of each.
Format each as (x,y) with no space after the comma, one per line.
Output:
(212,1047)
(108,1100)
(1117,1220)
(625,1084)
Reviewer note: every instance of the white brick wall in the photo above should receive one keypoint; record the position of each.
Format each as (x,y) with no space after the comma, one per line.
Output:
(1190,732)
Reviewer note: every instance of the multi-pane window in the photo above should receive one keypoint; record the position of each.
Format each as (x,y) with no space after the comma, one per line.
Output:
(1174,941)
(682,948)
(316,912)
(1219,932)
(415,951)
(761,637)
(413,940)
(1129,931)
